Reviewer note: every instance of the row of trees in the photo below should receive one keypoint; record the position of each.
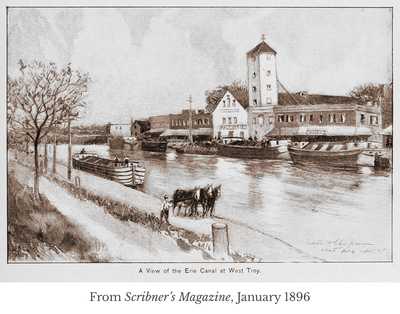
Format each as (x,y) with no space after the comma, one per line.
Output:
(42,99)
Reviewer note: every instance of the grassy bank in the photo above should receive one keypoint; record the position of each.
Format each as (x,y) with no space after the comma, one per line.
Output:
(37,231)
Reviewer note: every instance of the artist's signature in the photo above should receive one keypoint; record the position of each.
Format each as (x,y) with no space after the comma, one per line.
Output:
(346,247)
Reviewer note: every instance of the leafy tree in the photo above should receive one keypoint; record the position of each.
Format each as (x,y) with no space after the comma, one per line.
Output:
(42,98)
(377,94)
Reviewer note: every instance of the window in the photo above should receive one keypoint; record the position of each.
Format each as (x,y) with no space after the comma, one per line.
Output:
(373,120)
(362,118)
(330,118)
(311,118)
(254,75)
(291,118)
(254,89)
(321,118)
(223,120)
(200,122)
(224,103)
(233,102)
(268,57)
(235,120)
(280,118)
(241,134)
(206,121)
(286,118)
(302,117)
(219,134)
(343,118)
(268,73)
(268,86)
(270,119)
(334,118)
(254,120)
(255,102)
(228,98)
(269,100)
(229,120)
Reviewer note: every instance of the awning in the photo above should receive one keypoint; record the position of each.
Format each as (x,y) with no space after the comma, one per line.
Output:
(321,131)
(185,132)
(388,130)
(155,131)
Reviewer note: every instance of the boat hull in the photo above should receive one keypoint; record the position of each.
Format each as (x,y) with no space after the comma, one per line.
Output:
(342,159)
(197,150)
(253,152)
(154,146)
(131,175)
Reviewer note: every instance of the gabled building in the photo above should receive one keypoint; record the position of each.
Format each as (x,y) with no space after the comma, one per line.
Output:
(229,118)
(139,127)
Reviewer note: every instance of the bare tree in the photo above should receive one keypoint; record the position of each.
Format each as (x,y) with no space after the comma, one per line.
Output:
(41,99)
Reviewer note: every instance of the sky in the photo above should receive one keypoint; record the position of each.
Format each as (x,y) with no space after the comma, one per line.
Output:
(147,61)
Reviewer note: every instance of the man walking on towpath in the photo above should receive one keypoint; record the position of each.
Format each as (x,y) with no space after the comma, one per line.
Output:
(165,210)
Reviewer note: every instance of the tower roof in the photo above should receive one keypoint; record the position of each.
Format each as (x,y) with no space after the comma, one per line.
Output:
(260,48)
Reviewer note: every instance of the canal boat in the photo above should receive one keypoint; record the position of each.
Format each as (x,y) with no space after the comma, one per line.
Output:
(129,174)
(239,150)
(154,146)
(334,154)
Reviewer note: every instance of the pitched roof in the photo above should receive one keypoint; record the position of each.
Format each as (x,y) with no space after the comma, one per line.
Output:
(312,99)
(260,48)
(244,102)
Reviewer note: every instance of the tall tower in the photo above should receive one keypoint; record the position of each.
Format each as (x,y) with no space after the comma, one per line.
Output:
(263,88)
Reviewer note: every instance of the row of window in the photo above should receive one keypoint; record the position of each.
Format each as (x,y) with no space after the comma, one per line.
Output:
(255,88)
(228,102)
(373,120)
(332,118)
(255,102)
(229,120)
(254,75)
(181,122)
(261,120)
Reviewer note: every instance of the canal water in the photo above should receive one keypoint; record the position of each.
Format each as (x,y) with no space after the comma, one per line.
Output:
(333,214)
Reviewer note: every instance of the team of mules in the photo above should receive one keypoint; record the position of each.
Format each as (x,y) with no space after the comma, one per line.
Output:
(191,199)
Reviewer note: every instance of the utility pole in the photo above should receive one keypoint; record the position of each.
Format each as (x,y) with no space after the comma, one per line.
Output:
(69,145)
(190,120)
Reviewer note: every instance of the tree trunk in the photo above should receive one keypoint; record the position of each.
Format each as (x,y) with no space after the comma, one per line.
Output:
(36,173)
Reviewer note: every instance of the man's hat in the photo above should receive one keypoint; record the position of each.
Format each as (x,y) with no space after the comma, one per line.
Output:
(165,196)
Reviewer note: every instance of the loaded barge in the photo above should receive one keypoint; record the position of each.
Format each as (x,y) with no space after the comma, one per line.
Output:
(129,173)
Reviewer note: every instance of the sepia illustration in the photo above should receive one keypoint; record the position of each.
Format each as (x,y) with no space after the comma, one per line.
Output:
(149,134)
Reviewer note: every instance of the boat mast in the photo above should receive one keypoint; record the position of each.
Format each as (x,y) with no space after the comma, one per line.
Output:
(190,120)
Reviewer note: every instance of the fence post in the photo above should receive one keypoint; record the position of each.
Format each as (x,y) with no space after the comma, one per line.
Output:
(77,181)
(220,240)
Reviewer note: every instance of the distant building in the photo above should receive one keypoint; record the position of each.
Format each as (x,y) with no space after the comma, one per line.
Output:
(180,125)
(329,119)
(262,88)
(200,119)
(123,130)
(230,118)
(139,126)
(158,124)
